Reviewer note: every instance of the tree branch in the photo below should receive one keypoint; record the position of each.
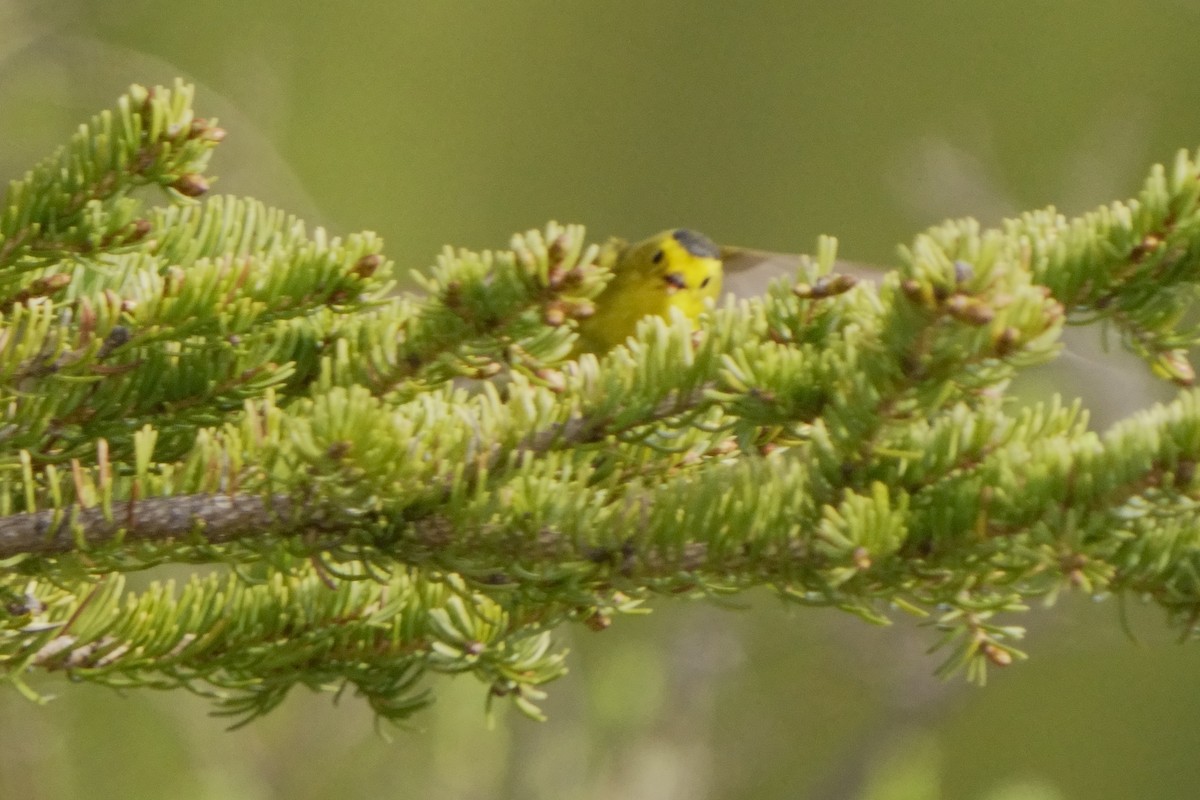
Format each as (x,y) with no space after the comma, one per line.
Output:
(214,517)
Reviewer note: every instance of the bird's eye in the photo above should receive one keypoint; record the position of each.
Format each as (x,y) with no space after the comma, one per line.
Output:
(704,282)
(659,255)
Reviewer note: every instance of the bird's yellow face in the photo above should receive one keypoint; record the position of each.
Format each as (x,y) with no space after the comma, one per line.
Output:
(677,268)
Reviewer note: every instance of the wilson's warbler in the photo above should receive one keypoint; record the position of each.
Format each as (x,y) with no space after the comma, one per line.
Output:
(677,268)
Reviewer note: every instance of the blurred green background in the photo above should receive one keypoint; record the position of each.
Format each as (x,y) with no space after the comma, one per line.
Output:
(762,124)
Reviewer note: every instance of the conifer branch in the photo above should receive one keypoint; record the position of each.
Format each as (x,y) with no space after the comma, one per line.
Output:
(210,518)
(415,483)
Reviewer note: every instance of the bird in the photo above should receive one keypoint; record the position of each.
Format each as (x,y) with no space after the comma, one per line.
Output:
(679,268)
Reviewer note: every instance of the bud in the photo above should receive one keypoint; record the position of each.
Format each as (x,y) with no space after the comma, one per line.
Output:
(190,185)
(553,379)
(862,558)
(50,284)
(1185,473)
(825,286)
(205,130)
(915,291)
(116,337)
(997,655)
(1150,242)
(597,621)
(969,310)
(140,230)
(574,277)
(1175,366)
(558,248)
(453,295)
(489,370)
(1007,341)
(365,267)
(554,315)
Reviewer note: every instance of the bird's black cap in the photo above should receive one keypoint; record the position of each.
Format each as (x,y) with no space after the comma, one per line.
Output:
(696,243)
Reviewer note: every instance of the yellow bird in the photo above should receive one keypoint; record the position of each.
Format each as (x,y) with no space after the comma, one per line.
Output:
(677,268)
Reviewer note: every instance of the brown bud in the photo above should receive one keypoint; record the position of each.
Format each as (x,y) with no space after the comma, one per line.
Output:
(997,655)
(190,185)
(574,277)
(553,379)
(582,310)
(144,159)
(558,248)
(205,130)
(50,284)
(1070,562)
(1174,365)
(489,370)
(914,291)
(139,230)
(840,283)
(1007,341)
(969,310)
(366,266)
(87,318)
(825,286)
(1150,242)
(1185,473)
(554,315)
(597,621)
(453,295)
(862,558)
